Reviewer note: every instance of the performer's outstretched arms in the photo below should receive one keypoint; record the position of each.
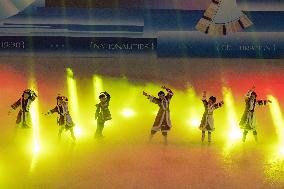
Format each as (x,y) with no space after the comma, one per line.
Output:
(52,111)
(218,105)
(145,94)
(14,106)
(151,98)
(263,102)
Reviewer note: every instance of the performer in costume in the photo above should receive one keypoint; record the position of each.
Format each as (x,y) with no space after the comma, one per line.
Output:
(102,113)
(64,120)
(207,122)
(162,121)
(24,117)
(248,121)
(223,17)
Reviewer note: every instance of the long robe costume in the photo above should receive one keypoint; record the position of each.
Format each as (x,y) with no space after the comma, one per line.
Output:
(207,122)
(24,116)
(64,120)
(162,120)
(248,121)
(102,114)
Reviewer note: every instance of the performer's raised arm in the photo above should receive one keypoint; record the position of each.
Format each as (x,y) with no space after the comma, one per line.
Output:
(218,105)
(107,96)
(33,95)
(204,98)
(169,92)
(250,92)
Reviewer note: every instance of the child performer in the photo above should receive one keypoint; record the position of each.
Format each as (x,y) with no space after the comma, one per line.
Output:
(24,117)
(102,113)
(162,121)
(207,122)
(248,122)
(64,120)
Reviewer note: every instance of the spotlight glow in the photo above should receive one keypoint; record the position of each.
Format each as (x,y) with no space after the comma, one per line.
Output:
(281,151)
(73,102)
(235,134)
(72,92)
(128,112)
(278,121)
(35,125)
(234,130)
(194,123)
(275,159)
(98,87)
(77,131)
(195,108)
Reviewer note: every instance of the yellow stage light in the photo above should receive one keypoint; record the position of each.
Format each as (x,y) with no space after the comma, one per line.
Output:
(196,108)
(235,133)
(194,123)
(77,131)
(35,125)
(234,130)
(98,87)
(281,151)
(72,92)
(128,112)
(278,121)
(73,96)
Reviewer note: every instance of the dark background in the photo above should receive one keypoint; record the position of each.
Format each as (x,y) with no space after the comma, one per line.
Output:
(94,3)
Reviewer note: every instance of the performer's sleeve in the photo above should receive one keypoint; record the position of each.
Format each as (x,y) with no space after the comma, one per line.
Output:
(205,103)
(153,99)
(170,94)
(262,102)
(16,104)
(218,105)
(53,110)
(97,111)
(65,109)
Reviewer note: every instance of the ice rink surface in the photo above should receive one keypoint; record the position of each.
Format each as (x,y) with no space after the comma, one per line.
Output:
(34,158)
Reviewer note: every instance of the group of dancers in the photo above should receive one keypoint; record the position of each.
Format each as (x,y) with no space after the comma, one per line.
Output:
(162,121)
(64,120)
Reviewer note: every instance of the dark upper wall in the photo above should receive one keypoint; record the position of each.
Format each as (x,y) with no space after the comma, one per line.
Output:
(94,3)
(252,5)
